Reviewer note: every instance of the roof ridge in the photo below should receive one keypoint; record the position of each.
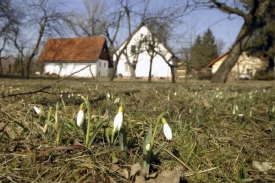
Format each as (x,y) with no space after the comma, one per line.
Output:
(73,49)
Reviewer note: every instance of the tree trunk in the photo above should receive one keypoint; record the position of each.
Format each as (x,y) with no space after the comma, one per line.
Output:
(113,73)
(22,66)
(270,66)
(150,70)
(222,73)
(1,68)
(252,21)
(28,67)
(131,67)
(173,73)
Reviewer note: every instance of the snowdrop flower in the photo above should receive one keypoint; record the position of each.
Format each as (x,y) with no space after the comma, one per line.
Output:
(117,100)
(148,147)
(80,116)
(167,130)
(118,121)
(37,110)
(235,109)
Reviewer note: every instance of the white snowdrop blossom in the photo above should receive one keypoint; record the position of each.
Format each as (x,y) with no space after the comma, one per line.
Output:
(117,100)
(118,121)
(37,110)
(167,130)
(148,147)
(235,109)
(80,116)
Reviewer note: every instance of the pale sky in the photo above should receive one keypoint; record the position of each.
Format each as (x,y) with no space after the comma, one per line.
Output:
(222,26)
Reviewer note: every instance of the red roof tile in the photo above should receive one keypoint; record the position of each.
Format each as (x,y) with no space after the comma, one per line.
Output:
(218,58)
(86,49)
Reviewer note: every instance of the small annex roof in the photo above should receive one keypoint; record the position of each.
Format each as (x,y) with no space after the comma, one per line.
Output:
(86,49)
(218,58)
(225,54)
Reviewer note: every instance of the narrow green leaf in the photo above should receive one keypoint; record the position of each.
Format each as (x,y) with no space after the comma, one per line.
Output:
(48,121)
(113,157)
(122,139)
(88,105)
(147,139)
(95,133)
(160,147)
(25,129)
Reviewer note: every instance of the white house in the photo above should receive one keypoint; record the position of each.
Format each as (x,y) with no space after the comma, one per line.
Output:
(138,52)
(65,56)
(245,68)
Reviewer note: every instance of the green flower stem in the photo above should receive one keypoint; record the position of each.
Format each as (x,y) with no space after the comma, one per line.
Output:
(88,105)
(156,126)
(57,125)
(122,100)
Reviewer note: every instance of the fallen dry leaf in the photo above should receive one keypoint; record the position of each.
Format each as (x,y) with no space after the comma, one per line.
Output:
(139,179)
(135,168)
(167,176)
(262,166)
(122,171)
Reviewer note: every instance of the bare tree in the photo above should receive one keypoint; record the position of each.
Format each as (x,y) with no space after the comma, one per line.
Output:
(9,18)
(91,22)
(220,45)
(42,19)
(8,15)
(1,50)
(254,18)
(136,15)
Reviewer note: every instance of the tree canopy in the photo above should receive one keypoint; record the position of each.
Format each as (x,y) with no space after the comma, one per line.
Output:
(261,42)
(254,14)
(204,50)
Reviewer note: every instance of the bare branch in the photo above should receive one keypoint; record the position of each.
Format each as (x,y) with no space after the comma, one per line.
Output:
(227,9)
(42,90)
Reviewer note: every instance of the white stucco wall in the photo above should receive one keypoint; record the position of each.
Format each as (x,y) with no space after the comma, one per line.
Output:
(159,68)
(102,68)
(65,69)
(243,64)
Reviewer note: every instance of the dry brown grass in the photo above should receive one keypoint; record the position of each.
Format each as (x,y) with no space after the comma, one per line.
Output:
(209,142)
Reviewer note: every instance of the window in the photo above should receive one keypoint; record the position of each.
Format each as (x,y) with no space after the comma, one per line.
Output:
(104,64)
(99,73)
(133,49)
(99,64)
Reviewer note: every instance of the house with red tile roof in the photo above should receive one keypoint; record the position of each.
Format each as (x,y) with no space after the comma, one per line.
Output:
(65,56)
(245,68)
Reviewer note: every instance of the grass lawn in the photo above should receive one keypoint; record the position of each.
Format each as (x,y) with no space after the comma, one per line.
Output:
(221,133)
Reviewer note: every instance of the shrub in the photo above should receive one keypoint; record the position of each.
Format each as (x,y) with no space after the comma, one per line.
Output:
(264,75)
